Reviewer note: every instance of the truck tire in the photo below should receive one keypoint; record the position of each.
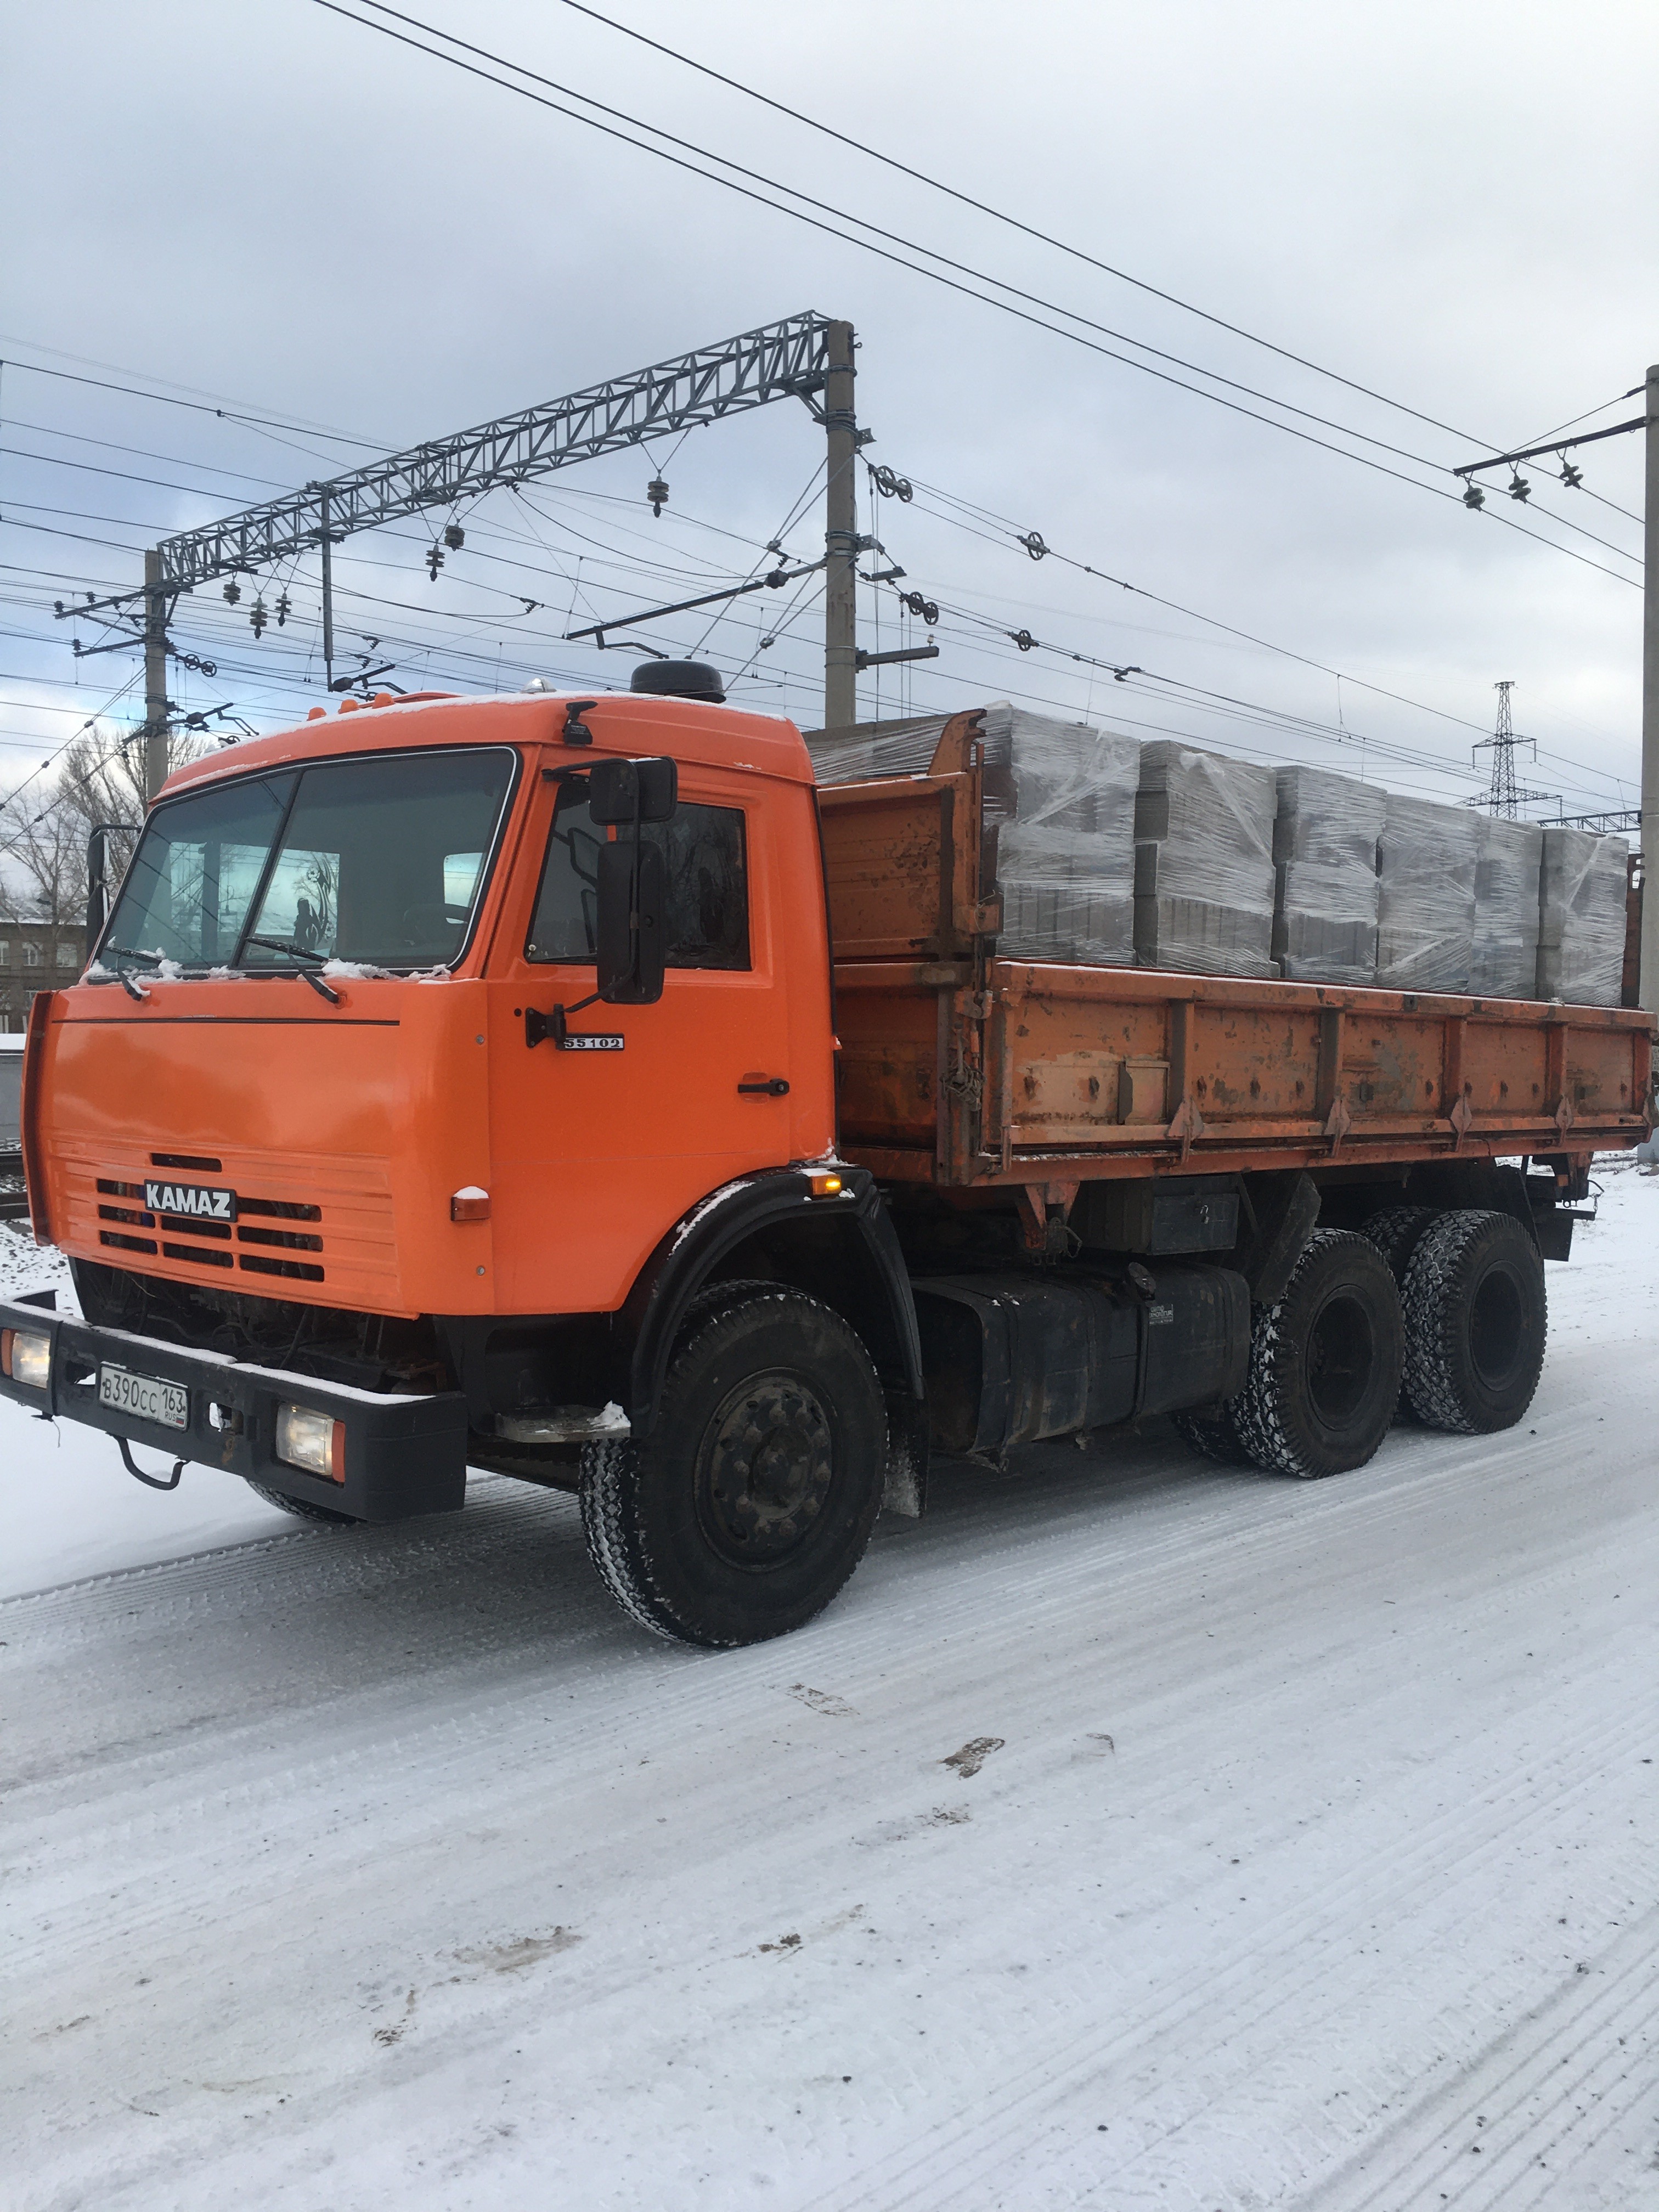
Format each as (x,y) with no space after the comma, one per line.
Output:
(301,1508)
(1397,1231)
(1476,1317)
(1325,1362)
(1214,1434)
(750,1502)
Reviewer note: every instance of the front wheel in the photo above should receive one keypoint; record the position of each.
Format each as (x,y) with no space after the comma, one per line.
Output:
(750,1502)
(301,1508)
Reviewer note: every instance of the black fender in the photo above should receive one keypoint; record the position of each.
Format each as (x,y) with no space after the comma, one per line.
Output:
(797,1229)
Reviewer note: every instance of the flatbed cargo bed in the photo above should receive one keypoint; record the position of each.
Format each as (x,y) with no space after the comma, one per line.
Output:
(970,1071)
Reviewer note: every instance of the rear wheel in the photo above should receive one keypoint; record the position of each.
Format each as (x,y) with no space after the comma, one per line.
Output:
(750,1502)
(1476,1318)
(1397,1231)
(301,1508)
(1325,1362)
(1214,1434)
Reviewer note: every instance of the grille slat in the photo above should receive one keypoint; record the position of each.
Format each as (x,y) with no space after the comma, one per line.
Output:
(336,1226)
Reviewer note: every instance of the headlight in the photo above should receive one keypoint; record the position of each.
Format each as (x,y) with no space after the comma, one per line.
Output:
(26,1356)
(312,1440)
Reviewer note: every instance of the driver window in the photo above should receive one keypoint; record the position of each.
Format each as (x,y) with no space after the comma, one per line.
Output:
(708,885)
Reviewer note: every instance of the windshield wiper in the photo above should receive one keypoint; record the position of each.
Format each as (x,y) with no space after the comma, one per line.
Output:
(280,944)
(301,952)
(131,952)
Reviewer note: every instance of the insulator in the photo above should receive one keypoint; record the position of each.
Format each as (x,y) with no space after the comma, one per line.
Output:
(924,610)
(258,617)
(1034,544)
(285,608)
(1518,486)
(1473,496)
(232,592)
(657,492)
(454,537)
(1023,638)
(435,560)
(1571,477)
(892,485)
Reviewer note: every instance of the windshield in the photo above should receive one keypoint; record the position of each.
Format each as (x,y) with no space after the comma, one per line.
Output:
(379,861)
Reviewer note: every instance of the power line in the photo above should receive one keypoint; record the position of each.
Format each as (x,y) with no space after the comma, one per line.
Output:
(998,214)
(831,230)
(227,413)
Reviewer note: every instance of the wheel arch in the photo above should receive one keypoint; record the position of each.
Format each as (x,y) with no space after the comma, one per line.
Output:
(842,1250)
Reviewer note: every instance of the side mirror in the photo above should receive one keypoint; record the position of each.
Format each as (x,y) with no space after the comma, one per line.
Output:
(98,901)
(623,791)
(633,927)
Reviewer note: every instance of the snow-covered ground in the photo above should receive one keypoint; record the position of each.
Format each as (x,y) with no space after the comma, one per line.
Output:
(1129,1834)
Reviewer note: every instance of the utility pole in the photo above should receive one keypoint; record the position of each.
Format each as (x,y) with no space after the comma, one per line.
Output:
(1648,989)
(156,677)
(841,538)
(328,603)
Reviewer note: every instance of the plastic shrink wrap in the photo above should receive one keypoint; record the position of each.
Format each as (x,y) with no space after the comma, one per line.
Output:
(1062,799)
(1325,894)
(1508,858)
(1426,864)
(1204,862)
(1581,918)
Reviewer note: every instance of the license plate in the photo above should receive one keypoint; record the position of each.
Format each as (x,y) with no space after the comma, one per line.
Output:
(145,1395)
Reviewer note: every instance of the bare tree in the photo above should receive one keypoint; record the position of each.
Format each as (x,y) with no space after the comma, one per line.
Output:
(45,824)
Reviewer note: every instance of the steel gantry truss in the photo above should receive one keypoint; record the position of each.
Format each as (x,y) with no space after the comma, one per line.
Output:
(801,357)
(790,359)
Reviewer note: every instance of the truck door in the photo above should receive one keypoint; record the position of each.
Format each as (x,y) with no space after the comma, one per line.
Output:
(598,1147)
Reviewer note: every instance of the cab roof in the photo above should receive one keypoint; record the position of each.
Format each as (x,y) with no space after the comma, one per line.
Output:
(692,729)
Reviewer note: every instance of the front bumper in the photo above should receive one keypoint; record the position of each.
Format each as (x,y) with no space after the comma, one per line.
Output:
(403,1455)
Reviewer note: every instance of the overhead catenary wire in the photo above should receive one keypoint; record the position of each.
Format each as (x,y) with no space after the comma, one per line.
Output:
(936,275)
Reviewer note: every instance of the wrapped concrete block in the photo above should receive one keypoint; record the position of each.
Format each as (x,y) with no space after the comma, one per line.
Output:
(1507,859)
(1325,893)
(1204,862)
(1060,796)
(1426,864)
(1581,918)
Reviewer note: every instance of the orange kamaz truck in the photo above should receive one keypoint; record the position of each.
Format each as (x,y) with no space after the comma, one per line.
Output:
(568,1088)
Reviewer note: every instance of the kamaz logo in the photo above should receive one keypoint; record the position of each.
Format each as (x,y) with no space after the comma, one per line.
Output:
(190,1198)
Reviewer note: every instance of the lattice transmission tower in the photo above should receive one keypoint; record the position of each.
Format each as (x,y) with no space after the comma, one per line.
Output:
(1503,794)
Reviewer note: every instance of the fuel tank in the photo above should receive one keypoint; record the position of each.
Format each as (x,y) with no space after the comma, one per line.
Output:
(1011,1358)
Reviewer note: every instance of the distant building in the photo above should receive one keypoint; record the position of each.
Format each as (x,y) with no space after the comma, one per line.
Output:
(35,955)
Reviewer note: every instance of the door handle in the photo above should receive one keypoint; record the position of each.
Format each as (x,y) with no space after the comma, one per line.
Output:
(763,1086)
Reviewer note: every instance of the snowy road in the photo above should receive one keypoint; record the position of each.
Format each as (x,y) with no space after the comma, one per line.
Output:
(1129,1834)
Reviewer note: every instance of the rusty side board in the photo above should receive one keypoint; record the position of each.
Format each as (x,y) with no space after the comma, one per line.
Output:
(964,1070)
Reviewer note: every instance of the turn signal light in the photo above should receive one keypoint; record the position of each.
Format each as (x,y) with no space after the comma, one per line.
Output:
(313,1442)
(25,1357)
(824,1186)
(469,1204)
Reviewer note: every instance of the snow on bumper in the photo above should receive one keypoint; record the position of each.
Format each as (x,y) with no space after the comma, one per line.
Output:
(403,1455)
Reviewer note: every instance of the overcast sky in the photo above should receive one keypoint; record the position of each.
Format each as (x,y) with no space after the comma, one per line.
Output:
(268,207)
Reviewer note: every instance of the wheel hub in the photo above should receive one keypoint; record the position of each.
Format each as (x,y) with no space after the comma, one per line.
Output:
(768,1461)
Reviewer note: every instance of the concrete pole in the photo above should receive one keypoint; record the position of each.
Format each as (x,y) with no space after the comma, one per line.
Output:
(841,538)
(1648,993)
(155,678)
(328,602)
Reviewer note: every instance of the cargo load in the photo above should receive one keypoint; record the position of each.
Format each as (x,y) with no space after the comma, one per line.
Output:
(1061,800)
(1324,895)
(1425,864)
(1204,862)
(1508,859)
(1582,917)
